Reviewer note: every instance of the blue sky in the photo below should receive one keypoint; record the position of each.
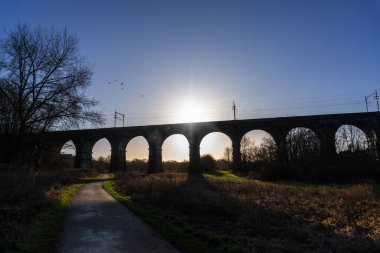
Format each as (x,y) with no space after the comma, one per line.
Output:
(188,60)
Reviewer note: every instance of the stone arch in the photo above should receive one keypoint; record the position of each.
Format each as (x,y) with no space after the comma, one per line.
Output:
(215,141)
(175,152)
(258,145)
(302,143)
(101,154)
(68,153)
(214,144)
(351,138)
(137,153)
(177,141)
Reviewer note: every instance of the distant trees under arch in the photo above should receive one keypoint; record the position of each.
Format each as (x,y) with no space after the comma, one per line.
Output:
(137,153)
(257,146)
(175,153)
(215,143)
(101,155)
(302,143)
(175,148)
(213,148)
(349,138)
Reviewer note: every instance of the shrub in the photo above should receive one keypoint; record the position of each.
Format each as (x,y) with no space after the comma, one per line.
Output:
(208,163)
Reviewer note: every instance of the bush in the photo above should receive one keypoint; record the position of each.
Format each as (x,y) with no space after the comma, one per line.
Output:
(208,163)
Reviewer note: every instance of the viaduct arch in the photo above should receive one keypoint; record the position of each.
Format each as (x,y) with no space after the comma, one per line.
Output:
(325,127)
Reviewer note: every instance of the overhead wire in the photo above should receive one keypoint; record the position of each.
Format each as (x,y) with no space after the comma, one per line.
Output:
(220,110)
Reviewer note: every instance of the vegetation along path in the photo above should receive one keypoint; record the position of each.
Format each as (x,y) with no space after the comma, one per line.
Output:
(98,223)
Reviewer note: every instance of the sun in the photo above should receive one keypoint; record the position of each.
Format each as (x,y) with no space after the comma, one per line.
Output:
(192,110)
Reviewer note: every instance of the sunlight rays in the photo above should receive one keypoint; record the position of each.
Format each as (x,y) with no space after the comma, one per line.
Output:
(191,109)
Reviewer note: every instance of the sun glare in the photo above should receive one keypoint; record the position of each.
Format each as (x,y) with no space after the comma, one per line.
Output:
(192,110)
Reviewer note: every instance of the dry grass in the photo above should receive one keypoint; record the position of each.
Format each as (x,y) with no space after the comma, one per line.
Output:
(266,217)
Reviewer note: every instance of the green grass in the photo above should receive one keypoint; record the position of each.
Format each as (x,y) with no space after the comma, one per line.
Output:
(228,175)
(175,229)
(85,180)
(45,228)
(225,175)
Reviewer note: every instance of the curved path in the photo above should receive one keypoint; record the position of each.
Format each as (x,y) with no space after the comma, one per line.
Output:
(98,223)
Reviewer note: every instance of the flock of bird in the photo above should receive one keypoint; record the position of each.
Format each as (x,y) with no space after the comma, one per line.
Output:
(122,85)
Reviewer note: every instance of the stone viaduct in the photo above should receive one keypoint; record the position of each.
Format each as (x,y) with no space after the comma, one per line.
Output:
(325,127)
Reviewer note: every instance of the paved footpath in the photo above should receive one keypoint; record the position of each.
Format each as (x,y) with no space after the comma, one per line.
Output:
(98,223)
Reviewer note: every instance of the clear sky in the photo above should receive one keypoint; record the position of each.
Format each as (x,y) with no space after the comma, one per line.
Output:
(188,60)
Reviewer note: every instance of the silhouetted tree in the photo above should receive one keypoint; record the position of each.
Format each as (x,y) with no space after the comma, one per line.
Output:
(43,82)
(261,153)
(246,149)
(102,163)
(6,113)
(268,149)
(250,152)
(301,143)
(137,164)
(228,154)
(350,138)
(175,165)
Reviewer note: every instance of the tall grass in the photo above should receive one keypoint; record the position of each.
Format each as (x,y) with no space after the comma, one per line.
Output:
(266,217)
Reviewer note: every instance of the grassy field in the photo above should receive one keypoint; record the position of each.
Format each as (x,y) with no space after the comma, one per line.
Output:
(222,212)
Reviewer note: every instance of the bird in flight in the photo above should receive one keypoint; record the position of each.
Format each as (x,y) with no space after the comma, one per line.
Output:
(122,84)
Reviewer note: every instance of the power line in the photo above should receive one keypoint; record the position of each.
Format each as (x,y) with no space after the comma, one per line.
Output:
(375,97)
(248,108)
(116,117)
(295,103)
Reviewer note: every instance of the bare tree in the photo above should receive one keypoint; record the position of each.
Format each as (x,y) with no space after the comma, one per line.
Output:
(250,152)
(268,148)
(266,151)
(228,154)
(43,82)
(6,113)
(302,142)
(350,138)
(246,149)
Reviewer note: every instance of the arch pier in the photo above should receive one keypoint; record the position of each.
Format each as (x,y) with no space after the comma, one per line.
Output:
(118,161)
